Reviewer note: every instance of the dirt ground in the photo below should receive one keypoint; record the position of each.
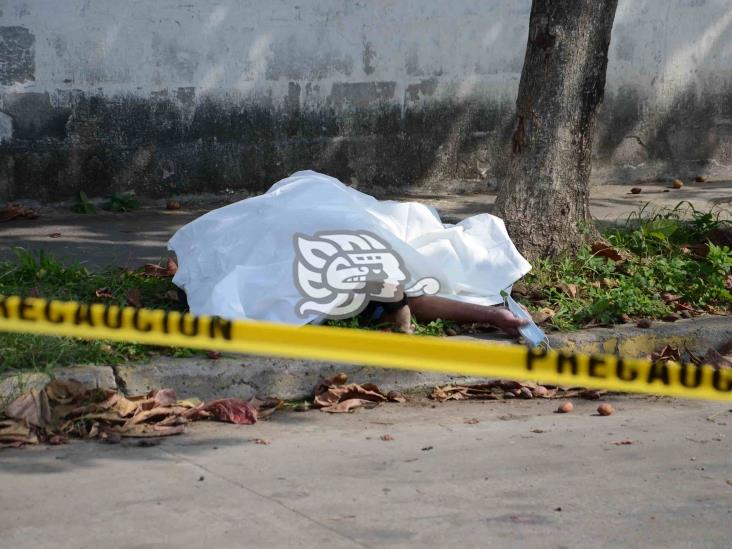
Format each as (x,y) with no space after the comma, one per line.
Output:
(657,473)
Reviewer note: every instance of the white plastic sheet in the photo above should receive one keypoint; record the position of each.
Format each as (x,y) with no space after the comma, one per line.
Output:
(237,261)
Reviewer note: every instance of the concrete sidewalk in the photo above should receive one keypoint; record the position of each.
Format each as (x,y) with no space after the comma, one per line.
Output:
(132,239)
(655,474)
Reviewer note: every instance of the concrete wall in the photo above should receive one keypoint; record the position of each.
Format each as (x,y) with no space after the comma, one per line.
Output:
(164,96)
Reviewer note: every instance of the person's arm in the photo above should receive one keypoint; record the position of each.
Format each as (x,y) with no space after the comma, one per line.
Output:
(429,307)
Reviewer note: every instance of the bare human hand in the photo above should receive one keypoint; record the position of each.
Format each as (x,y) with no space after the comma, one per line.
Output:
(505,320)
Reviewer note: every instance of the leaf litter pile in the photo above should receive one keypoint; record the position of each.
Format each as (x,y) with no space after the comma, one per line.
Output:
(503,389)
(334,395)
(66,409)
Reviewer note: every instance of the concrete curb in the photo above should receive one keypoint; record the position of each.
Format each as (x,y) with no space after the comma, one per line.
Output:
(243,376)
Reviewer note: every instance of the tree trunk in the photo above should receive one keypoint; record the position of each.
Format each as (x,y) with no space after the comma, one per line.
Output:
(545,197)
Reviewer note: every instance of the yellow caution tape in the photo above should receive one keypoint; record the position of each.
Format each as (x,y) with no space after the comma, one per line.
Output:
(167,328)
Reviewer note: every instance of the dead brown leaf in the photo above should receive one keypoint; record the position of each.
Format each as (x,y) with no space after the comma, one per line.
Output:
(386,438)
(15,433)
(568,289)
(32,408)
(134,298)
(332,395)
(265,406)
(668,352)
(603,249)
(232,410)
(543,315)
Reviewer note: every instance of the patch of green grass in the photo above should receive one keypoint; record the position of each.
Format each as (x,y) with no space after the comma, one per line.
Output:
(663,253)
(42,276)
(436,327)
(44,353)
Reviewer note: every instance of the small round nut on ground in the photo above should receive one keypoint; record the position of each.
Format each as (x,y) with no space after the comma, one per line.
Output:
(636,190)
(644,323)
(677,183)
(565,407)
(172,205)
(605,410)
(700,178)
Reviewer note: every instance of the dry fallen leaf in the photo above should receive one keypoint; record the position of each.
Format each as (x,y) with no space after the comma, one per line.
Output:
(332,395)
(14,434)
(668,352)
(261,441)
(543,315)
(232,410)
(567,289)
(134,298)
(54,235)
(32,408)
(603,249)
(386,437)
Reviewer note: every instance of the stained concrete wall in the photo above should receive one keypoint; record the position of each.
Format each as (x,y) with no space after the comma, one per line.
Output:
(164,96)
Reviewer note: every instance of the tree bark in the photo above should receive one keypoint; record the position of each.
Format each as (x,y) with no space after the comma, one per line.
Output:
(544,199)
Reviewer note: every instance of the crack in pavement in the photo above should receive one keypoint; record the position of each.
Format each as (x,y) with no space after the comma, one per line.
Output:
(263,496)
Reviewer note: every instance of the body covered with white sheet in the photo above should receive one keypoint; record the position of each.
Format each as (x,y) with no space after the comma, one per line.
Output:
(238,261)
